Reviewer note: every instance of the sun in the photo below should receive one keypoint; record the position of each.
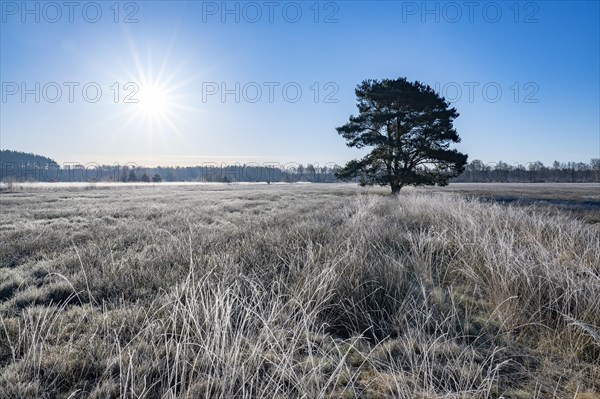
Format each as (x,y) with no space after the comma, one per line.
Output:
(155,94)
(153,101)
(156,104)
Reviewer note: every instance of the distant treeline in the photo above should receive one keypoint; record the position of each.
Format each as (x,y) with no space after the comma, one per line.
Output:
(25,160)
(534,172)
(20,166)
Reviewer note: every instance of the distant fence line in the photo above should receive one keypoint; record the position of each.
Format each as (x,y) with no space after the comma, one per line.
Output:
(476,172)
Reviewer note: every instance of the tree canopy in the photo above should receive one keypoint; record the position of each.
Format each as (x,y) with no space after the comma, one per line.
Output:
(410,128)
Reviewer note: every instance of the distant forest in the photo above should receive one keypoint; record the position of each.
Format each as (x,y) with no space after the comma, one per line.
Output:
(19,166)
(25,159)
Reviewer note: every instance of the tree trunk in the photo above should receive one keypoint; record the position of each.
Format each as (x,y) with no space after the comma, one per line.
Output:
(395,188)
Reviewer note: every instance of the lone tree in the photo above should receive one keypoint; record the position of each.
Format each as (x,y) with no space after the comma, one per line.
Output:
(156,178)
(132,176)
(410,129)
(145,178)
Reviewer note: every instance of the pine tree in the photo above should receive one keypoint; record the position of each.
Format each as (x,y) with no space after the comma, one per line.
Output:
(410,128)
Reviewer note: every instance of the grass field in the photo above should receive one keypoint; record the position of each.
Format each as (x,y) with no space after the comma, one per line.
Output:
(298,291)
(581,200)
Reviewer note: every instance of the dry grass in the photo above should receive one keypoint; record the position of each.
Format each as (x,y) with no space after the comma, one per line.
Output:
(579,200)
(293,292)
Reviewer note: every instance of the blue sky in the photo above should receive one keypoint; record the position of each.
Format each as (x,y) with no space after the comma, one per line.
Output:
(524,77)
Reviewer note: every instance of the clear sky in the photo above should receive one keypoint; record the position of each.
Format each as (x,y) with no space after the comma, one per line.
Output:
(269,81)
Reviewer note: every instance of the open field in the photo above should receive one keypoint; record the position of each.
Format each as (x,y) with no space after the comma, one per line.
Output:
(581,200)
(297,291)
(552,192)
